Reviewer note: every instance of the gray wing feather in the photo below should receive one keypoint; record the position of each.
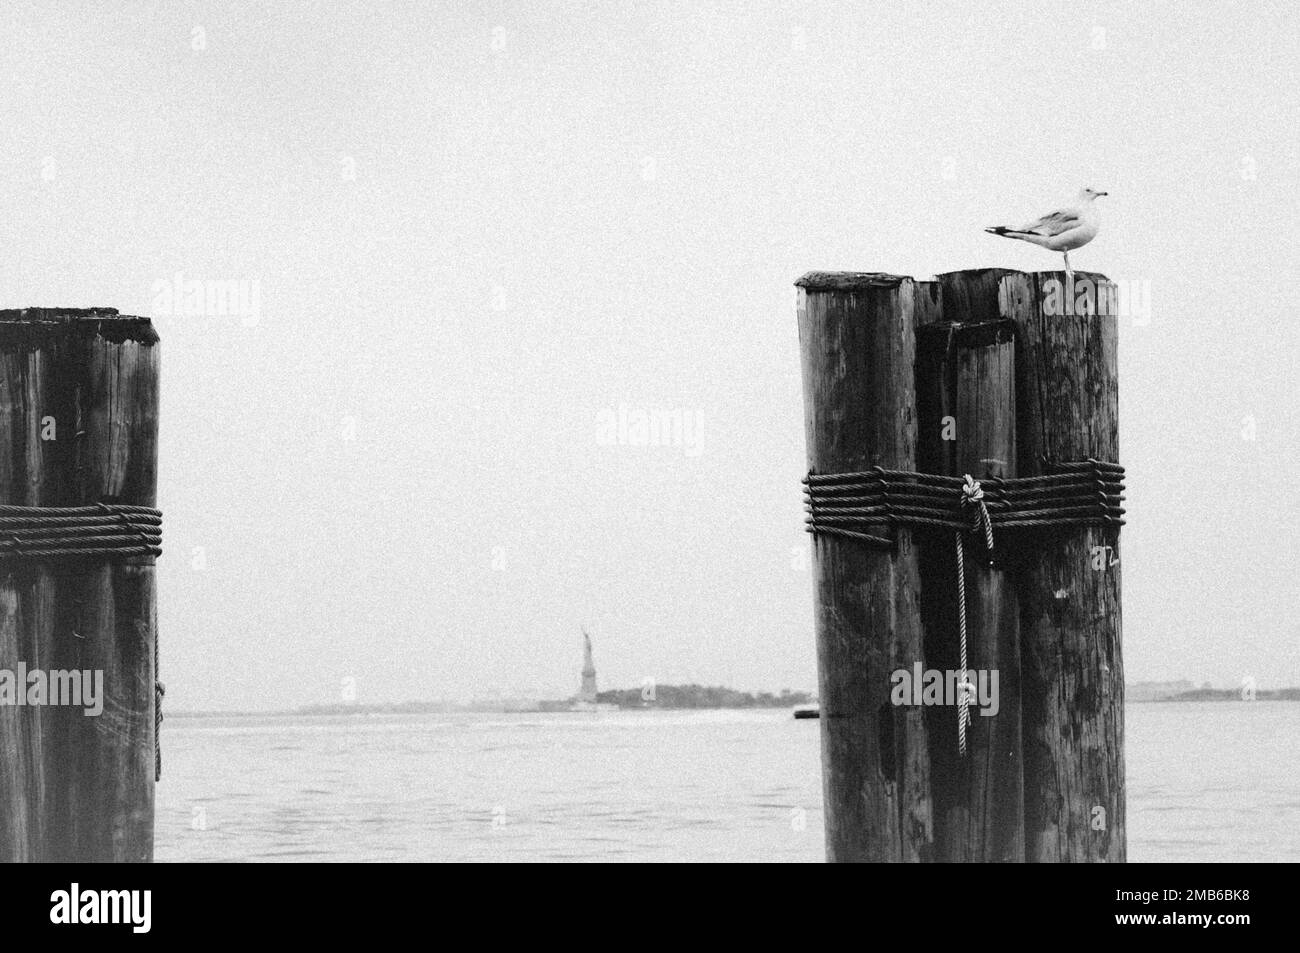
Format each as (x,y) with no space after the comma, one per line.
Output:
(1054,223)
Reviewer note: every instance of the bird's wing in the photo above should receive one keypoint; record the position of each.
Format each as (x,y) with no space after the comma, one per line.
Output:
(1054,223)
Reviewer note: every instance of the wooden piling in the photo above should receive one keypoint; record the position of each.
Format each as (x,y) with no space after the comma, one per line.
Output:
(78,426)
(1072,669)
(966,421)
(1022,367)
(858,346)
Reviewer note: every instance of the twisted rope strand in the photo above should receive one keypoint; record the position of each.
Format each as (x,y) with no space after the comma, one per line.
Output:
(159,690)
(963,703)
(972,495)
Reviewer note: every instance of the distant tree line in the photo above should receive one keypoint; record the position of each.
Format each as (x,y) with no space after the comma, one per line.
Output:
(1235,695)
(700,696)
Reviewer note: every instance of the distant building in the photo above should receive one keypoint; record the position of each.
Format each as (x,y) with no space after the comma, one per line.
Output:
(588,691)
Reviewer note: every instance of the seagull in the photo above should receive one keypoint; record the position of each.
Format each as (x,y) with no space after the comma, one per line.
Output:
(1062,230)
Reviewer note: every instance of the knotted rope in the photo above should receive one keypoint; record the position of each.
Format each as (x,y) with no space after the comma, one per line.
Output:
(972,495)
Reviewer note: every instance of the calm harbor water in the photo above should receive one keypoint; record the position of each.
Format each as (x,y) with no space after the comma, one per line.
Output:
(1207,782)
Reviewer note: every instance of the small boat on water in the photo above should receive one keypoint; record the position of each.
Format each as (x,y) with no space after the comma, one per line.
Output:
(807,711)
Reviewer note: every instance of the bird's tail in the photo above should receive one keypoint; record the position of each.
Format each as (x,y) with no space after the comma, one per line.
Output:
(1005,232)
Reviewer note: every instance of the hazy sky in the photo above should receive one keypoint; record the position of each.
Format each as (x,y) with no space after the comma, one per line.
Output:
(481,232)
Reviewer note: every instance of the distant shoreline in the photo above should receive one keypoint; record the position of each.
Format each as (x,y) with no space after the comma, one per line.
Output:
(548,708)
(1227,695)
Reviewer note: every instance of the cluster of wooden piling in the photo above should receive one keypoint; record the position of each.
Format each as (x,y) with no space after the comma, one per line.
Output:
(981,373)
(78,426)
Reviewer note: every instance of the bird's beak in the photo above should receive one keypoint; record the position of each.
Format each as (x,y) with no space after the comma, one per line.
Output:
(1103,193)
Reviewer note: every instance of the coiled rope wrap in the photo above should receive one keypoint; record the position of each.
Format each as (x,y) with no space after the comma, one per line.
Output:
(101,531)
(867,506)
(849,504)
(105,529)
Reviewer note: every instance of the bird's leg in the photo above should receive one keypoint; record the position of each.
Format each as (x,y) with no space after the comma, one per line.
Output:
(1068,272)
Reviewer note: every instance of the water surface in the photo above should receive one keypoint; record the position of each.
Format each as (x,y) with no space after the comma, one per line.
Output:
(1206,782)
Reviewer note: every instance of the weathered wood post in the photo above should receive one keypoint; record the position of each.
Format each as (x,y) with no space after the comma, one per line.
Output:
(909,386)
(858,344)
(966,400)
(1072,667)
(78,427)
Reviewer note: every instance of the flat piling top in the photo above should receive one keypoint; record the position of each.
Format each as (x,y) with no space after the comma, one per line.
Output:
(34,326)
(848,280)
(862,280)
(1052,273)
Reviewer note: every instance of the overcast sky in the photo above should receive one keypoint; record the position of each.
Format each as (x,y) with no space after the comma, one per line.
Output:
(481,233)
